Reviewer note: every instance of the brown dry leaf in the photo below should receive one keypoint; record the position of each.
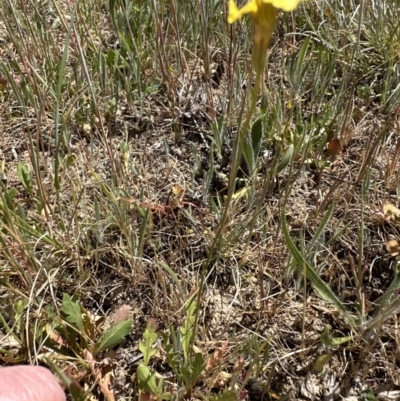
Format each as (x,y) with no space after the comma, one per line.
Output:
(178,193)
(105,385)
(391,210)
(219,380)
(393,247)
(143,396)
(104,381)
(218,354)
(331,135)
(272,393)
(74,374)
(177,190)
(3,83)
(122,314)
(54,335)
(334,147)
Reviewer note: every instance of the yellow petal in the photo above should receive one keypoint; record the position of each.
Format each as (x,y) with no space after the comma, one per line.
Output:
(265,17)
(235,13)
(286,5)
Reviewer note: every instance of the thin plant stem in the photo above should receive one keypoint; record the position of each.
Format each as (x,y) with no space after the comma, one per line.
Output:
(237,156)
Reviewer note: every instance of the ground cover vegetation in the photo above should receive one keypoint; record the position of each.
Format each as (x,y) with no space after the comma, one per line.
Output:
(119,125)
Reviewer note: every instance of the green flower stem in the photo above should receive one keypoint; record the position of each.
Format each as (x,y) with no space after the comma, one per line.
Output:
(237,157)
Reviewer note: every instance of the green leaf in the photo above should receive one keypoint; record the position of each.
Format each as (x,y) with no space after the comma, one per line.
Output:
(20,306)
(186,375)
(387,312)
(116,335)
(302,53)
(55,368)
(319,285)
(368,395)
(176,280)
(9,330)
(248,155)
(69,160)
(227,395)
(72,312)
(7,199)
(198,365)
(328,341)
(390,292)
(150,336)
(287,158)
(25,176)
(11,194)
(256,136)
(336,235)
(321,361)
(388,305)
(147,380)
(299,67)
(78,394)
(193,370)
(19,313)
(186,330)
(170,349)
(321,228)
(63,61)
(111,8)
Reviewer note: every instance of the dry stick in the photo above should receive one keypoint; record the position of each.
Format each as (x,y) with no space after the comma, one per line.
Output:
(207,66)
(371,153)
(334,187)
(178,36)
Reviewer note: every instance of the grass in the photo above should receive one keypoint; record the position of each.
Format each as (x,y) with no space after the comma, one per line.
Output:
(119,122)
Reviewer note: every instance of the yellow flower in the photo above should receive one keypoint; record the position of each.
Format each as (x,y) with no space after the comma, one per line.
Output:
(253,7)
(263,13)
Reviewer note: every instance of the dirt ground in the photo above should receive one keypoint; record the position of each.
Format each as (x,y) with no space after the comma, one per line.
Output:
(251,294)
